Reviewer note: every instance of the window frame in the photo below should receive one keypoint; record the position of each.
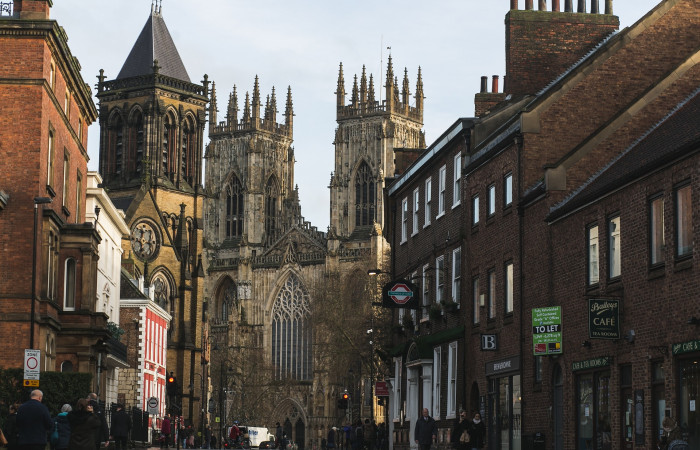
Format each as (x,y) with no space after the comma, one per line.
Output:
(452,381)
(404,220)
(426,291)
(437,369)
(51,151)
(656,230)
(491,294)
(475,210)
(680,227)
(491,190)
(416,209)
(475,300)
(69,284)
(66,177)
(442,181)
(457,181)
(427,200)
(456,275)
(592,274)
(440,279)
(508,281)
(78,195)
(614,251)
(398,369)
(507,190)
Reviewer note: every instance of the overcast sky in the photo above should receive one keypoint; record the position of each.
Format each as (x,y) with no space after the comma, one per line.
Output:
(300,43)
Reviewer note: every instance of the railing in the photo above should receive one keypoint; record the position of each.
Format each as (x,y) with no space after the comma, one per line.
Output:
(265,125)
(153,79)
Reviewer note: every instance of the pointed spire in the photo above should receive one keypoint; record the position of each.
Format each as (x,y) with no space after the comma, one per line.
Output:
(246,109)
(289,111)
(390,86)
(232,110)
(396,91)
(419,93)
(354,100)
(256,102)
(340,90)
(363,89)
(213,108)
(370,92)
(267,108)
(273,106)
(405,90)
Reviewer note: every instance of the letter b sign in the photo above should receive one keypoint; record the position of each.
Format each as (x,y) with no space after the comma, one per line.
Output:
(489,342)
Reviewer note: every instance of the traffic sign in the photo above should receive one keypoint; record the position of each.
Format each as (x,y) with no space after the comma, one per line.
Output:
(152,404)
(31,383)
(31,364)
(400,294)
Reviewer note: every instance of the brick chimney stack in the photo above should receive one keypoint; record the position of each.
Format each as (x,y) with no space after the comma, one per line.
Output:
(32,9)
(541,45)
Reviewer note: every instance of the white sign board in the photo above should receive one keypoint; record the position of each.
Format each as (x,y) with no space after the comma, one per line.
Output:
(31,364)
(152,405)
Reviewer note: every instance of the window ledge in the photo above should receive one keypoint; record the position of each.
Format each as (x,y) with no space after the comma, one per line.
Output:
(456,204)
(403,242)
(658,271)
(442,214)
(683,264)
(508,209)
(614,285)
(65,211)
(414,233)
(508,319)
(426,225)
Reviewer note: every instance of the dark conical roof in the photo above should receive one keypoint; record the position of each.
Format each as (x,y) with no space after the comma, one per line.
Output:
(154,43)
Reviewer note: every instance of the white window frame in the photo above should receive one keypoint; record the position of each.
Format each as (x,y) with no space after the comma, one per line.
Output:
(440,279)
(66,174)
(475,300)
(456,274)
(404,220)
(457,182)
(437,363)
(426,292)
(442,181)
(397,388)
(614,251)
(416,209)
(492,200)
(452,381)
(509,288)
(507,190)
(475,210)
(593,247)
(428,198)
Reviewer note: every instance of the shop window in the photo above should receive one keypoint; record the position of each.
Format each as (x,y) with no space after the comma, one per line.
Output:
(506,413)
(689,418)
(593,411)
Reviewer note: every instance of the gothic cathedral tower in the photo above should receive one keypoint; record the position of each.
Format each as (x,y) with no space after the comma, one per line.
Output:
(374,141)
(152,121)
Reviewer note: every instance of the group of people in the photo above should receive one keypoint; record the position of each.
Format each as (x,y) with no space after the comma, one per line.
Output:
(466,434)
(354,436)
(82,427)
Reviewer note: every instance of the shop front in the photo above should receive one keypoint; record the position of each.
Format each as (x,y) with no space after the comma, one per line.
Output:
(505,404)
(687,355)
(593,404)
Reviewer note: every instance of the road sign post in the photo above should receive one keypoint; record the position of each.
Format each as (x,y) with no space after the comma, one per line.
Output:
(31,367)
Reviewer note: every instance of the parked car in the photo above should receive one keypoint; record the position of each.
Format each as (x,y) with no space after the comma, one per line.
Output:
(267,445)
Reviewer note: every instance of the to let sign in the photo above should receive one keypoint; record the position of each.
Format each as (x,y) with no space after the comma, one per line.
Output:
(603,318)
(546,330)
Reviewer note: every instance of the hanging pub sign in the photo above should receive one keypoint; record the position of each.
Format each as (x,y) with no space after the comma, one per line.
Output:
(400,294)
(603,318)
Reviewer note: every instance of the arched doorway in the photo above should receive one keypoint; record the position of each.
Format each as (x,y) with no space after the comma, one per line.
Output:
(558,400)
(299,436)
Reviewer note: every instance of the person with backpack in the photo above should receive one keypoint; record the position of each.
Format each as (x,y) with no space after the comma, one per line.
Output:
(62,430)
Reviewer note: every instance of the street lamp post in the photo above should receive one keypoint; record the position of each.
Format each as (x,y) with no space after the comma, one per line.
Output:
(37,201)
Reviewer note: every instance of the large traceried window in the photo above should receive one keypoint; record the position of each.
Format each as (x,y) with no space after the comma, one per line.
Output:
(365,196)
(291,332)
(187,151)
(272,198)
(116,144)
(234,209)
(228,298)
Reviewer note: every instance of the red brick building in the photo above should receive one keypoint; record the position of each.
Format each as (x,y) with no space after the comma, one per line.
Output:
(46,108)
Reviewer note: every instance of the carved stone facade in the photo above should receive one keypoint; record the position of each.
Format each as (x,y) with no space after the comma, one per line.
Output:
(264,260)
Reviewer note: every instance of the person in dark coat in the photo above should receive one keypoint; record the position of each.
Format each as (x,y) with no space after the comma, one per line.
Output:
(63,427)
(461,425)
(33,423)
(330,439)
(103,434)
(165,430)
(426,431)
(477,432)
(84,426)
(121,425)
(10,429)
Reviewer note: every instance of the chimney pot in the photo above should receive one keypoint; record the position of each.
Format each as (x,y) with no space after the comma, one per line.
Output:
(542,5)
(594,6)
(513,4)
(484,82)
(555,5)
(494,84)
(528,5)
(568,6)
(582,6)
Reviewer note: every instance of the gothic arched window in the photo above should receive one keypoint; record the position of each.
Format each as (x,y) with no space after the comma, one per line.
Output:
(234,209)
(168,149)
(135,160)
(365,196)
(187,152)
(272,194)
(116,145)
(227,299)
(291,332)
(162,292)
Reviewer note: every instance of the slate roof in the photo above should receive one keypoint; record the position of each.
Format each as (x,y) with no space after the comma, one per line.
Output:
(154,43)
(675,136)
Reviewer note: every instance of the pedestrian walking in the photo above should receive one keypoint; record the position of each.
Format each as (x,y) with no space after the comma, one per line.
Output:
(165,430)
(477,432)
(121,426)
(10,430)
(103,433)
(459,437)
(63,428)
(84,426)
(330,439)
(279,432)
(33,422)
(426,431)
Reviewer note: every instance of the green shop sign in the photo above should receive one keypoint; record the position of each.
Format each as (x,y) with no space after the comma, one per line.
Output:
(603,361)
(686,347)
(603,318)
(546,331)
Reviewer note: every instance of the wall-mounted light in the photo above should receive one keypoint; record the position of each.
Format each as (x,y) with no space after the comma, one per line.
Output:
(374,272)
(629,337)
(586,344)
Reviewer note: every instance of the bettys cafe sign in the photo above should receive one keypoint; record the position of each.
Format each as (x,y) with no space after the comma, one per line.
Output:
(603,318)
(400,294)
